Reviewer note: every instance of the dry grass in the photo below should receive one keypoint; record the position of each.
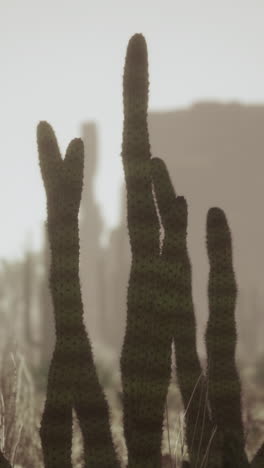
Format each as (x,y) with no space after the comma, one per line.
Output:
(21,408)
(18,414)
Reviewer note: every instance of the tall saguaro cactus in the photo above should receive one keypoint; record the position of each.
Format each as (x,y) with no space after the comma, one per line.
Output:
(159,303)
(223,380)
(146,353)
(72,379)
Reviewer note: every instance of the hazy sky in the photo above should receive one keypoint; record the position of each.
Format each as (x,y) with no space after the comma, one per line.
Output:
(62,61)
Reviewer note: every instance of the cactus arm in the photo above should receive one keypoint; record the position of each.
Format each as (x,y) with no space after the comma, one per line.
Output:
(72,380)
(223,380)
(145,360)
(176,277)
(143,224)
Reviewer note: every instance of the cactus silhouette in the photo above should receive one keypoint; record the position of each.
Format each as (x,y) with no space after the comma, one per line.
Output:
(212,402)
(146,353)
(160,307)
(72,379)
(176,274)
(159,303)
(159,312)
(224,389)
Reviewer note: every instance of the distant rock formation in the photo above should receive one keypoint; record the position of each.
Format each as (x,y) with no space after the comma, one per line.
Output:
(90,227)
(215,156)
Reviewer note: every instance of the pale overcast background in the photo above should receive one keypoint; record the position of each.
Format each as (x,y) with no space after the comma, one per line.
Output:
(62,61)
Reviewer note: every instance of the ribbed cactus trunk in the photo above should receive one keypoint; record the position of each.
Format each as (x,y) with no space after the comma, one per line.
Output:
(223,381)
(146,353)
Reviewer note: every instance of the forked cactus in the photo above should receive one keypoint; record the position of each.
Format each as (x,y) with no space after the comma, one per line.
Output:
(72,379)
